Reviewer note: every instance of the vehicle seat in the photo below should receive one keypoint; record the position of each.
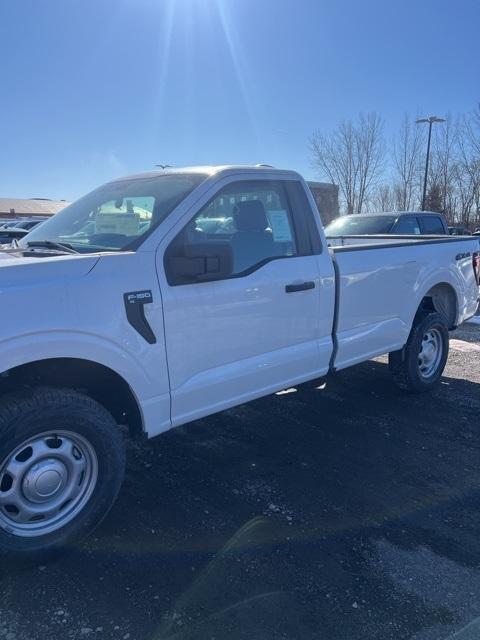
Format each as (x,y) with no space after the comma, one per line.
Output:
(253,240)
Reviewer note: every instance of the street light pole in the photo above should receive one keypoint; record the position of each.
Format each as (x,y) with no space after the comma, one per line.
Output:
(425,178)
(430,120)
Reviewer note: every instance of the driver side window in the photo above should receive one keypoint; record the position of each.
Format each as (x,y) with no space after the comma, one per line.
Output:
(249,220)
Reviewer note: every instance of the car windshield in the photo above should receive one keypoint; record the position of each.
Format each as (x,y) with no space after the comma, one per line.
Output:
(357,224)
(115,216)
(27,224)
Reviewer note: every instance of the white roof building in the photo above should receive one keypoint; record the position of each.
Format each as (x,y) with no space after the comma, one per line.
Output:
(20,207)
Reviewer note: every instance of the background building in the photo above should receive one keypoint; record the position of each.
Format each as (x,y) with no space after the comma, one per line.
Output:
(32,207)
(326,197)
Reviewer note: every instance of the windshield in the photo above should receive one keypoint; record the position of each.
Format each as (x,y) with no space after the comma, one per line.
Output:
(356,224)
(116,216)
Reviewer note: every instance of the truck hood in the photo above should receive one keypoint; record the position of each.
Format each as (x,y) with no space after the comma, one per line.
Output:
(18,270)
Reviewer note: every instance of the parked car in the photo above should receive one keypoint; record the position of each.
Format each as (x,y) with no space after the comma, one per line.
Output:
(19,229)
(10,224)
(228,294)
(20,224)
(11,233)
(27,224)
(5,222)
(459,231)
(396,222)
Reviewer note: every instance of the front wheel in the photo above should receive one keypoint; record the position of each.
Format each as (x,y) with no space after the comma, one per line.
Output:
(62,462)
(419,365)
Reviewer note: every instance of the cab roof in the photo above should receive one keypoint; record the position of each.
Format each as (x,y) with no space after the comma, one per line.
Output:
(209,170)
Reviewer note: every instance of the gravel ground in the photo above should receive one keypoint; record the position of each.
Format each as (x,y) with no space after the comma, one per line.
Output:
(341,511)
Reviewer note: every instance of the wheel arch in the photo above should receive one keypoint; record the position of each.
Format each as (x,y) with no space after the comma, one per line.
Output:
(440,298)
(97,380)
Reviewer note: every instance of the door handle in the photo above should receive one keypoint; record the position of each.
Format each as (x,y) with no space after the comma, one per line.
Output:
(301,286)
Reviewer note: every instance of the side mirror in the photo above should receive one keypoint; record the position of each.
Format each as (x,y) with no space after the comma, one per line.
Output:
(199,262)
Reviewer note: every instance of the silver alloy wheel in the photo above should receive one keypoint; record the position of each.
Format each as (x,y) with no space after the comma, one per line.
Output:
(45,482)
(431,352)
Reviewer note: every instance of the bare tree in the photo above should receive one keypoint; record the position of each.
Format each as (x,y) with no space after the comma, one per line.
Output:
(333,156)
(444,156)
(466,173)
(433,201)
(384,198)
(472,131)
(370,154)
(466,182)
(407,155)
(352,156)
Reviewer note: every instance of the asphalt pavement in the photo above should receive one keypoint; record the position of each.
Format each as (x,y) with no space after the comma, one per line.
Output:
(338,510)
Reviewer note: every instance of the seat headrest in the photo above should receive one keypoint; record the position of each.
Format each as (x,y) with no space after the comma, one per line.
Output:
(250,215)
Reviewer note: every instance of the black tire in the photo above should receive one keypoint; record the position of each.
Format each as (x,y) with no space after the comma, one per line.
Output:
(404,364)
(26,415)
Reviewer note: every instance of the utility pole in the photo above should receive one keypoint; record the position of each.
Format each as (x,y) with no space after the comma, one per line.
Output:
(430,120)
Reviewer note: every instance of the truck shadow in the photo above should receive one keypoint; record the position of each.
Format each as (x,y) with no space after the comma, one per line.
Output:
(333,509)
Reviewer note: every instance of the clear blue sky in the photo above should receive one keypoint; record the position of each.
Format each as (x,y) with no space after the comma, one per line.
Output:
(92,89)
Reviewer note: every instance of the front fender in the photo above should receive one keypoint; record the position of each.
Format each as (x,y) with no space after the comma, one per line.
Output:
(35,346)
(152,399)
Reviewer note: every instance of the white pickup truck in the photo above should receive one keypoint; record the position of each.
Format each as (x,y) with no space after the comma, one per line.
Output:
(167,296)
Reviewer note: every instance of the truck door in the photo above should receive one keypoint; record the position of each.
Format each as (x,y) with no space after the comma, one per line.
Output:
(265,323)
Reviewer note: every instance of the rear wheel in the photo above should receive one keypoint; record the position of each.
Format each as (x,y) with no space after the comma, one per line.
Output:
(419,365)
(62,461)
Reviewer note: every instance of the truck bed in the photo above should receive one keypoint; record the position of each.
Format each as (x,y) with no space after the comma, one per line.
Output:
(378,291)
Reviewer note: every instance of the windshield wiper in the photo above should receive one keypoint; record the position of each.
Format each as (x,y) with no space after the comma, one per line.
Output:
(50,244)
